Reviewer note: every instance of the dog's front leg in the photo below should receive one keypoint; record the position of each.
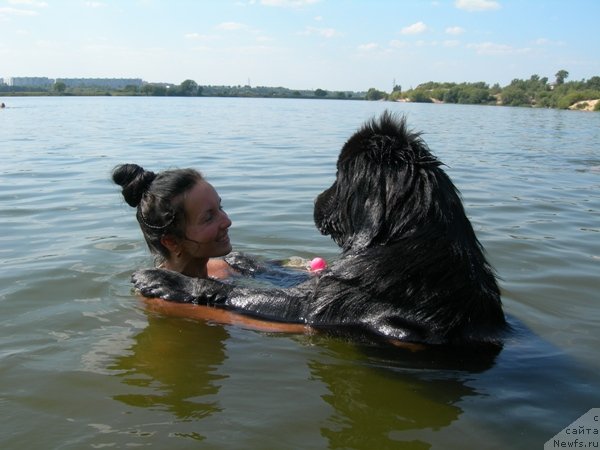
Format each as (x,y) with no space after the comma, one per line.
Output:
(283,305)
(173,286)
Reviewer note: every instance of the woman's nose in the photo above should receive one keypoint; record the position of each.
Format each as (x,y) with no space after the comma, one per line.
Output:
(226,220)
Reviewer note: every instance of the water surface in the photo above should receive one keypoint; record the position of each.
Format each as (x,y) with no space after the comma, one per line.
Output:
(84,365)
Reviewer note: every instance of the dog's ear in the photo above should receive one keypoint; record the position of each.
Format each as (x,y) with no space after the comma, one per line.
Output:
(347,210)
(362,205)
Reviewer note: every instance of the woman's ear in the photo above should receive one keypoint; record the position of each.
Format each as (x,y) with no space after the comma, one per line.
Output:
(171,243)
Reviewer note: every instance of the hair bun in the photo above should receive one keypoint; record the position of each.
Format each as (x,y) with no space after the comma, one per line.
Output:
(134,180)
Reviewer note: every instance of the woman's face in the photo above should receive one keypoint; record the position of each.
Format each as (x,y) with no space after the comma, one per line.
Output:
(206,227)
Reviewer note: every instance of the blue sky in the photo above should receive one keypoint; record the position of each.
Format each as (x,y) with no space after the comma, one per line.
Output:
(301,44)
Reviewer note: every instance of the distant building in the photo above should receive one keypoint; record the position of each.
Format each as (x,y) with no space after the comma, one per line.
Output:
(29,81)
(112,83)
(45,82)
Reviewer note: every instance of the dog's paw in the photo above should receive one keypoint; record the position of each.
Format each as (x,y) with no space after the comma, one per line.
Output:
(160,283)
(244,264)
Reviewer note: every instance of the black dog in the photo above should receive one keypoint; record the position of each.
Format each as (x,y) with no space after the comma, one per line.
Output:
(411,266)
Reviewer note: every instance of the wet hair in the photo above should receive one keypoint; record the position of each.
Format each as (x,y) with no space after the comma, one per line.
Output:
(158,199)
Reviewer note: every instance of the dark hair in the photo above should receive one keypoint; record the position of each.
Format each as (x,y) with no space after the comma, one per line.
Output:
(158,199)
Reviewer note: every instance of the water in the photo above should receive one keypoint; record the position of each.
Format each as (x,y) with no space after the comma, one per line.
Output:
(84,365)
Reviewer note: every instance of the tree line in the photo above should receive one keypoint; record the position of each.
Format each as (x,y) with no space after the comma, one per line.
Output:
(535,92)
(188,88)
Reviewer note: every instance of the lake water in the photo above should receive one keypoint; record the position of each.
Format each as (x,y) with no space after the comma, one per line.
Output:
(83,364)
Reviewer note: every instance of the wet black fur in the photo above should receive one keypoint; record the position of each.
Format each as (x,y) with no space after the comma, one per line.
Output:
(411,266)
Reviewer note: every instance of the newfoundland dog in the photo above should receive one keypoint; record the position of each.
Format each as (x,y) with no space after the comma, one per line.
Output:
(411,267)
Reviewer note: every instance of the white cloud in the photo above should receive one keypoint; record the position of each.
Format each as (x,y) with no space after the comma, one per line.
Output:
(201,37)
(47,44)
(327,32)
(324,32)
(490,48)
(545,42)
(288,3)
(17,12)
(398,44)
(455,31)
(95,4)
(422,43)
(34,3)
(231,26)
(451,43)
(477,5)
(415,28)
(368,47)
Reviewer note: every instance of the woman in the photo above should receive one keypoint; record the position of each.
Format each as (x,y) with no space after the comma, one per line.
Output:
(181,218)
(185,227)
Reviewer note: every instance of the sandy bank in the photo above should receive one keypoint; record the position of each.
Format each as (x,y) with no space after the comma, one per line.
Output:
(585,105)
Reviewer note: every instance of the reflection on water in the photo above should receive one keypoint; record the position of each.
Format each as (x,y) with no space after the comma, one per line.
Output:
(375,393)
(371,396)
(154,365)
(380,398)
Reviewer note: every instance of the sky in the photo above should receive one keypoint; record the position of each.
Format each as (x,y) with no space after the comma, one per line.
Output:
(335,45)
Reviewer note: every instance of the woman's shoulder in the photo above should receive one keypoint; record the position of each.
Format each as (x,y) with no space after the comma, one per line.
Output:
(219,269)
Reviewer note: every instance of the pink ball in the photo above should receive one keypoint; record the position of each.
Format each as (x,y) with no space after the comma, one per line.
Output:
(318,264)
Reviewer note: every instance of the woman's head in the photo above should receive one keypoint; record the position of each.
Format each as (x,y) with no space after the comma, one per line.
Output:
(178,211)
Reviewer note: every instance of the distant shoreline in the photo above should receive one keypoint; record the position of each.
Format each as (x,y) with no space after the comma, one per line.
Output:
(590,105)
(535,92)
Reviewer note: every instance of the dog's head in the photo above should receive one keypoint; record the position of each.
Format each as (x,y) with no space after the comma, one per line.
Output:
(388,184)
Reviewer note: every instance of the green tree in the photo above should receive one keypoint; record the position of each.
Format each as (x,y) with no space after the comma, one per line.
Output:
(561,76)
(154,90)
(131,89)
(593,83)
(320,93)
(514,96)
(188,88)
(419,96)
(451,95)
(60,87)
(147,89)
(374,94)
